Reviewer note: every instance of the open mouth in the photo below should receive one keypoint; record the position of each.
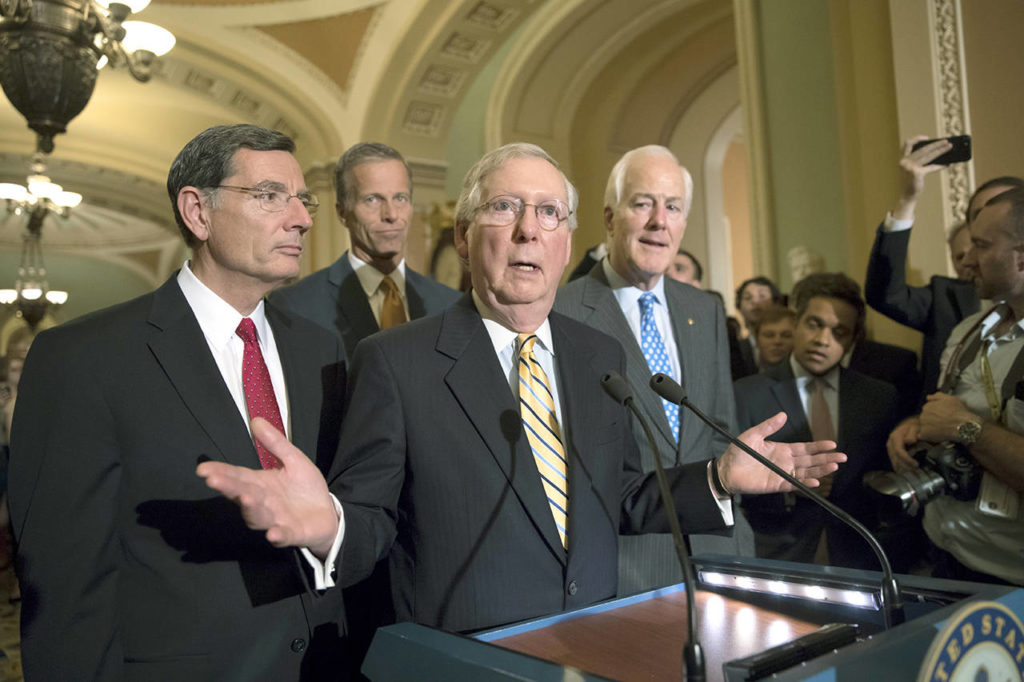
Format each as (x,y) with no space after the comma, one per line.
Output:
(524,266)
(653,243)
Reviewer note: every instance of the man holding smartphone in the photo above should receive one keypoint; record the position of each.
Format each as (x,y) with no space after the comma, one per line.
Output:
(933,309)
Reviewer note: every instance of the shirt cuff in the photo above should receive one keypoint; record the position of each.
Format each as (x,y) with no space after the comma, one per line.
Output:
(323,572)
(890,224)
(724,503)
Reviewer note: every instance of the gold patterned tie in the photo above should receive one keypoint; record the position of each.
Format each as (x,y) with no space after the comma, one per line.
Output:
(392,312)
(537,408)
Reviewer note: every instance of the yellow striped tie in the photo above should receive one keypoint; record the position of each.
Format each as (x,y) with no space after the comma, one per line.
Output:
(537,408)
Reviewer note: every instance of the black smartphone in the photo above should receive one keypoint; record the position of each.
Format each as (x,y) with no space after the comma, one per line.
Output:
(960,152)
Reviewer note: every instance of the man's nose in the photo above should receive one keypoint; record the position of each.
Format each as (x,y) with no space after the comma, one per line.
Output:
(527,227)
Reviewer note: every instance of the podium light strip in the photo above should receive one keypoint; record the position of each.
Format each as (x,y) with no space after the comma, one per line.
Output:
(788,588)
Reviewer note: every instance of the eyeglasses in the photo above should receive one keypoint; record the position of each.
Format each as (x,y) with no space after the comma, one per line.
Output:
(275,201)
(505,210)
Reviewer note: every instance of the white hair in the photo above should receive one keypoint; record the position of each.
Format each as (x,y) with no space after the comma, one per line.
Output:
(616,179)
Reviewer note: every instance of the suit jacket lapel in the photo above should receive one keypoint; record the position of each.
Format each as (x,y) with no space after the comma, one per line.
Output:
(607,315)
(355,319)
(181,349)
(476,381)
(784,390)
(417,308)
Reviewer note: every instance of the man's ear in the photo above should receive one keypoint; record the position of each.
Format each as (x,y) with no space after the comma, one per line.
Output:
(193,212)
(340,210)
(608,215)
(461,237)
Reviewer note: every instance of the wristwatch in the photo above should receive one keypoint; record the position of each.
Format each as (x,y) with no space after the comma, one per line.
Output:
(967,432)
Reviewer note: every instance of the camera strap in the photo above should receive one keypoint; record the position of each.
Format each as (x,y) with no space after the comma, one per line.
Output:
(967,348)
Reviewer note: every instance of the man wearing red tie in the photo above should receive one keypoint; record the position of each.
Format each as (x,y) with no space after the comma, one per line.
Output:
(130,568)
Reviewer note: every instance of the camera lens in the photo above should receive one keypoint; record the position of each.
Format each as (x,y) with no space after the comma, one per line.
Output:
(905,492)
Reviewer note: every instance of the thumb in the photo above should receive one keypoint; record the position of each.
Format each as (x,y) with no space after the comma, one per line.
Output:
(274,440)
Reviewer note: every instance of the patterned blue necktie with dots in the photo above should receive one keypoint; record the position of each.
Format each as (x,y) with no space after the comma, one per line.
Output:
(656,355)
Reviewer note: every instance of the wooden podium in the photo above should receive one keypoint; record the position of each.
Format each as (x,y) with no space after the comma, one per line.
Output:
(745,607)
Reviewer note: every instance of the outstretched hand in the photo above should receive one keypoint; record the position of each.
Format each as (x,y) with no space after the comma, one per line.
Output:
(914,166)
(291,503)
(808,462)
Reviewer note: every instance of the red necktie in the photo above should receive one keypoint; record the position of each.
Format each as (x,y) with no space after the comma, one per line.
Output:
(259,392)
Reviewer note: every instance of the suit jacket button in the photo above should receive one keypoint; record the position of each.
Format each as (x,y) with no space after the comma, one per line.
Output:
(298,645)
(573,587)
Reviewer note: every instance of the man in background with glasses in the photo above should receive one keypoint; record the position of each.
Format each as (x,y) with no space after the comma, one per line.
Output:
(663,326)
(369,287)
(482,438)
(129,567)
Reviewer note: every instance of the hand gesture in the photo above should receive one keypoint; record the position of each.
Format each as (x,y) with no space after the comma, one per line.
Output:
(906,433)
(291,503)
(741,473)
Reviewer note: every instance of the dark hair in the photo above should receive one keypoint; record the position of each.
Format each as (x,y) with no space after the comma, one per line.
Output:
(697,267)
(773,314)
(762,280)
(830,285)
(364,152)
(957,229)
(208,158)
(1015,216)
(1008,181)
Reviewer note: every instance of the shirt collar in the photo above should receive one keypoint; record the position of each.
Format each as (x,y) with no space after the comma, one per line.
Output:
(803,376)
(626,294)
(502,336)
(370,277)
(216,317)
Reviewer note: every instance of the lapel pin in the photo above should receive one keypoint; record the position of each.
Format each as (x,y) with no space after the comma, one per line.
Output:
(689,321)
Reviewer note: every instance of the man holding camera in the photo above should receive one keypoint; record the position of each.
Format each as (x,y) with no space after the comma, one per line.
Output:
(983,411)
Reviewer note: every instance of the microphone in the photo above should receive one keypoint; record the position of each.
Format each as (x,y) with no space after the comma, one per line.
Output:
(891,601)
(693,656)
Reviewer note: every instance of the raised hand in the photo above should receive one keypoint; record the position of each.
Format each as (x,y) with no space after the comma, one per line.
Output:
(291,503)
(915,165)
(808,462)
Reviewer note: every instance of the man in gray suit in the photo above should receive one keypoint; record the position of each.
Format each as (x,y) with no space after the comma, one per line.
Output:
(664,326)
(369,288)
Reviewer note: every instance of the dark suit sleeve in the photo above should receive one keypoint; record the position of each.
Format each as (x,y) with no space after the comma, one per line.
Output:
(369,470)
(885,287)
(64,478)
(723,406)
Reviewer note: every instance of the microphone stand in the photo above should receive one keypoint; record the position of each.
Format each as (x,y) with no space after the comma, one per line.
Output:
(891,601)
(693,655)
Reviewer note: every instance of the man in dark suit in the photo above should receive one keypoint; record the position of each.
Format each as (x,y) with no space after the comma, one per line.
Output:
(933,309)
(129,568)
(369,288)
(481,435)
(645,207)
(822,400)
(891,364)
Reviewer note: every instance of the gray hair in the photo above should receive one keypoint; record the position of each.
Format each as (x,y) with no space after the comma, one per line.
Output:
(617,178)
(208,158)
(472,184)
(358,154)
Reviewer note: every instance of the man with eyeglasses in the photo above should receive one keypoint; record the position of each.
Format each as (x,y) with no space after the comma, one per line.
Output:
(663,326)
(369,287)
(482,440)
(129,567)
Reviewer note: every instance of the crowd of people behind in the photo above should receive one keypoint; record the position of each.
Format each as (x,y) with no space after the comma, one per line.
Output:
(252,478)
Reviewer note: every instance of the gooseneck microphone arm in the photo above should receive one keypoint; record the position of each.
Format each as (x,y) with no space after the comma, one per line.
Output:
(891,602)
(693,656)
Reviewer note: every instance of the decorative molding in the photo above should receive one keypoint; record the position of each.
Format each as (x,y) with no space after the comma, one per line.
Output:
(441,80)
(952,96)
(465,47)
(492,17)
(428,173)
(423,118)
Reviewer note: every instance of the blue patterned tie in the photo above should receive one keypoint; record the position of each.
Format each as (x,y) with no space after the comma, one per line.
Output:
(656,355)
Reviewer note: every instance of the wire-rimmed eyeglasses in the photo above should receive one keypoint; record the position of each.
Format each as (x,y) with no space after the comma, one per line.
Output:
(505,210)
(275,200)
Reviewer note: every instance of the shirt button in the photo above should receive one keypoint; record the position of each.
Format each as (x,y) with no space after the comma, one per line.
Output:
(573,588)
(298,645)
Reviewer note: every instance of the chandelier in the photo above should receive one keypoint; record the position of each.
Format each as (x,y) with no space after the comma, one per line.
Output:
(50,51)
(31,296)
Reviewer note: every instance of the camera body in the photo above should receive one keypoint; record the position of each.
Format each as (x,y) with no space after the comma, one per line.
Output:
(946,468)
